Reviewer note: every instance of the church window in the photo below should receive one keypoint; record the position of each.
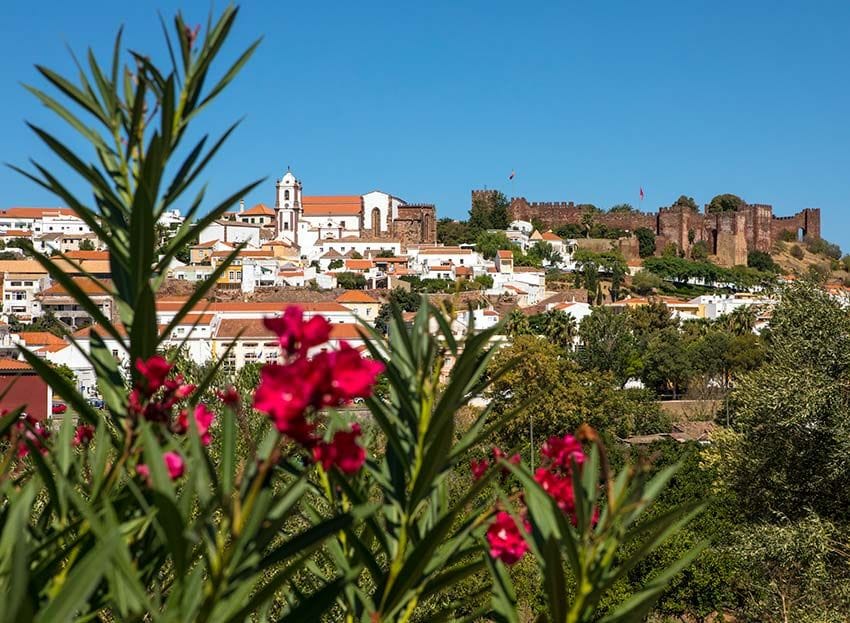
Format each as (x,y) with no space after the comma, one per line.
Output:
(286,226)
(286,194)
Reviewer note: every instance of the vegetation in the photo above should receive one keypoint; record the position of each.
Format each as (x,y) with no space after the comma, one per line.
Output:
(646,241)
(725,203)
(686,202)
(761,261)
(350,280)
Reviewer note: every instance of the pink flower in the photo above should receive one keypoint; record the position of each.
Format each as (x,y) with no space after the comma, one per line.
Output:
(296,336)
(154,371)
(203,420)
(353,375)
(513,460)
(285,394)
(83,435)
(143,471)
(32,430)
(478,468)
(230,397)
(174,464)
(564,451)
(343,451)
(559,488)
(506,542)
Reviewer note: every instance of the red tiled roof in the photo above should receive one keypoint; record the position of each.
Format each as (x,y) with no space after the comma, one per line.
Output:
(359,264)
(88,255)
(13,365)
(40,338)
(505,254)
(341,205)
(346,331)
(87,285)
(30,212)
(355,296)
(260,209)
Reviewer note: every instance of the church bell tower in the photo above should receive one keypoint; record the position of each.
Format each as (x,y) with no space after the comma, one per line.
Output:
(288,208)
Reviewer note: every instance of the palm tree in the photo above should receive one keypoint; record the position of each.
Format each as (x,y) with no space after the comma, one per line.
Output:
(517,324)
(742,320)
(587,222)
(560,328)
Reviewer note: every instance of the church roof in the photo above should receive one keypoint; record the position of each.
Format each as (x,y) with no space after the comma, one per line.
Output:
(343,205)
(260,209)
(333,254)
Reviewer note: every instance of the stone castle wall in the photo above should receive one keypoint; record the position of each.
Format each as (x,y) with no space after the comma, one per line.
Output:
(728,235)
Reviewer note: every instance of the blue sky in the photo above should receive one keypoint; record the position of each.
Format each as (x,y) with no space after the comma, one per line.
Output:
(585,101)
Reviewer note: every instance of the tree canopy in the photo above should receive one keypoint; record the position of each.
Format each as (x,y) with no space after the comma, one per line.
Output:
(726,202)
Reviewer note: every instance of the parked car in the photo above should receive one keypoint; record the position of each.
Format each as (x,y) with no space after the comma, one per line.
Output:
(59,408)
(97,403)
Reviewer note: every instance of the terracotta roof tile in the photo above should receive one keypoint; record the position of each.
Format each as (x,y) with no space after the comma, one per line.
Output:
(342,205)
(355,296)
(261,209)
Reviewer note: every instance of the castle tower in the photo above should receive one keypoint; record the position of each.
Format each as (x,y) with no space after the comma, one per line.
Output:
(287,206)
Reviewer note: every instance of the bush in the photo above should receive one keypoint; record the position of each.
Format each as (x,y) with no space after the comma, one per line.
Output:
(646,241)
(797,252)
(645,282)
(699,251)
(819,246)
(762,261)
(351,281)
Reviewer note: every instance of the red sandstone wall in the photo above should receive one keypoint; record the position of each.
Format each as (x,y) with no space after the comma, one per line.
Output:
(730,235)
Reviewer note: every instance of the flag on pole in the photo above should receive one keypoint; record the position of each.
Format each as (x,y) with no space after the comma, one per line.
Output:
(511,176)
(641,193)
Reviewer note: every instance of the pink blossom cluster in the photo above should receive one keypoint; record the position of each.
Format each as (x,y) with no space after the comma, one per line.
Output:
(293,393)
(155,397)
(560,456)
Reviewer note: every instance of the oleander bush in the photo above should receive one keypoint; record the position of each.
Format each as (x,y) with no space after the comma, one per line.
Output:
(186,499)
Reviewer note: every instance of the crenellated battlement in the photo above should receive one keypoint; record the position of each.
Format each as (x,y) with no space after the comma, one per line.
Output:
(729,235)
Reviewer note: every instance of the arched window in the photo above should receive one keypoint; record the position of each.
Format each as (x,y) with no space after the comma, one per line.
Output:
(286,194)
(376,220)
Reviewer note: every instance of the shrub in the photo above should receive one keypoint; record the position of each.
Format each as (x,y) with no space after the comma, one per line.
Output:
(762,261)
(819,246)
(797,252)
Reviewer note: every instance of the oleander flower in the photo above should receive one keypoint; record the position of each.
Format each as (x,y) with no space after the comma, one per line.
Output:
(342,451)
(203,420)
(154,370)
(564,451)
(83,435)
(505,539)
(296,336)
(174,464)
(478,468)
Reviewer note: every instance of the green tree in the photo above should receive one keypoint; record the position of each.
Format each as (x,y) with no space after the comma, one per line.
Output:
(645,282)
(86,245)
(608,345)
(622,208)
(587,220)
(646,241)
(788,455)
(725,203)
(760,260)
(351,281)
(741,320)
(666,361)
(560,328)
(686,202)
(488,243)
(699,251)
(517,324)
(336,263)
(488,211)
(405,300)
(452,233)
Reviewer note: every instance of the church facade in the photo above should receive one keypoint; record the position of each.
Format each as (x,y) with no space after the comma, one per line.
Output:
(307,220)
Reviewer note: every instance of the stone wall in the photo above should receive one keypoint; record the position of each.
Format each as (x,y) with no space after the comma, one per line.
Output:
(729,235)
(415,224)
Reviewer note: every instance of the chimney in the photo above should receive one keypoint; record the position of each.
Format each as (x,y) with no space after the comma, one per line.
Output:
(241,206)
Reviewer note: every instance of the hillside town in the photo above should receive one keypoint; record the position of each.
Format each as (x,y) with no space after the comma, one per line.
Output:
(342,256)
